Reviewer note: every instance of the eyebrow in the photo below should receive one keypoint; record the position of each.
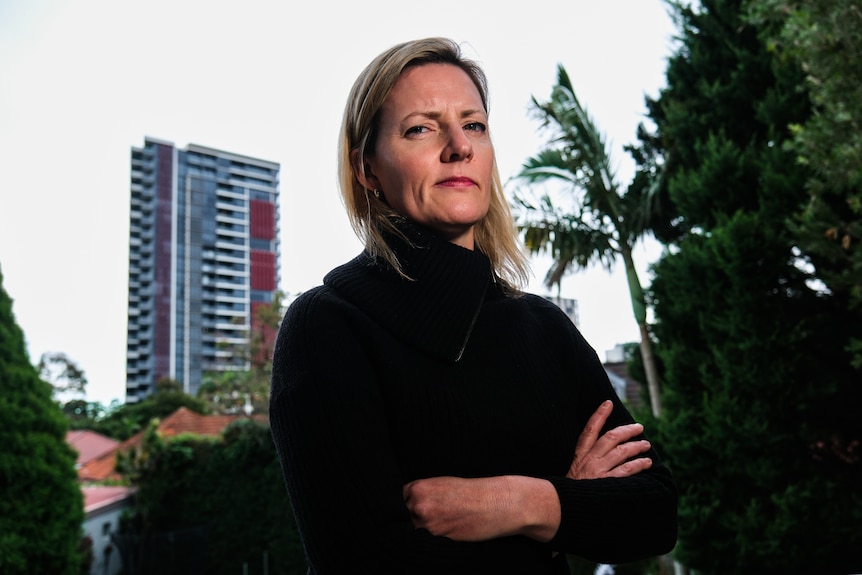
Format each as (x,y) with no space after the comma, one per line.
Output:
(436,115)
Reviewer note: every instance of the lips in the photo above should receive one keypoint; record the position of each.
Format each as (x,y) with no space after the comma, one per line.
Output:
(458,182)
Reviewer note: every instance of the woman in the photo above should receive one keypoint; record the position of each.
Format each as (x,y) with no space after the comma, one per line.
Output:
(430,417)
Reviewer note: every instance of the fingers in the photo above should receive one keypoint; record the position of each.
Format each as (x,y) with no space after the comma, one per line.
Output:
(615,448)
(616,438)
(620,459)
(613,454)
(630,468)
(594,426)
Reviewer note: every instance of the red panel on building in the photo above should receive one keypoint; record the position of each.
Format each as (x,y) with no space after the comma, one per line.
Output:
(263,270)
(262,220)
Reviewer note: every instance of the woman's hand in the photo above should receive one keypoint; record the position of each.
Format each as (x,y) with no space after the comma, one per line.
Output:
(484,508)
(611,454)
(479,509)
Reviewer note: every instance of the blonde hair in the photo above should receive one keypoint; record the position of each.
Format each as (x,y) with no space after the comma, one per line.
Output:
(495,235)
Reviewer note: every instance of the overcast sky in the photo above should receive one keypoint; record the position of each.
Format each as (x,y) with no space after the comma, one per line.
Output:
(82,82)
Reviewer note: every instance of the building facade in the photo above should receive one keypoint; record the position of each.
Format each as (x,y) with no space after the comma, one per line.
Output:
(203,254)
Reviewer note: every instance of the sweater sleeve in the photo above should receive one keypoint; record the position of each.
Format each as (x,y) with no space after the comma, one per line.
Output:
(613,520)
(330,430)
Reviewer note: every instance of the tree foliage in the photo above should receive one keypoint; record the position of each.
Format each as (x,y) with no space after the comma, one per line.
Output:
(230,489)
(83,414)
(41,507)
(594,221)
(761,401)
(247,390)
(825,37)
(130,418)
(62,373)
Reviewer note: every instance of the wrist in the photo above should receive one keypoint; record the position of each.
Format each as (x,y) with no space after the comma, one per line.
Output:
(536,505)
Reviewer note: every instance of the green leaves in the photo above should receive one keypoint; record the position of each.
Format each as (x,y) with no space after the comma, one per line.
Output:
(230,485)
(41,507)
(62,373)
(760,394)
(580,223)
(585,219)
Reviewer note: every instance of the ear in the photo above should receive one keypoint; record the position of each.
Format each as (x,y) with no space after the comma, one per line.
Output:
(363,173)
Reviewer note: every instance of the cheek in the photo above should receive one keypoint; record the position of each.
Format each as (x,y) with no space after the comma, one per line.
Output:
(488,161)
(400,177)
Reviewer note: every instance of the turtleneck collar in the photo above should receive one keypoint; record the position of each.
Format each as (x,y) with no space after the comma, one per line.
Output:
(435,310)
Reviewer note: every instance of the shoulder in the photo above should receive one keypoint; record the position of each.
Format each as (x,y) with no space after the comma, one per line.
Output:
(543,309)
(308,300)
(328,297)
(320,331)
(314,310)
(540,303)
(550,319)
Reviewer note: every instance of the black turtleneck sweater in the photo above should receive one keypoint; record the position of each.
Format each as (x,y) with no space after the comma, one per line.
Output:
(378,381)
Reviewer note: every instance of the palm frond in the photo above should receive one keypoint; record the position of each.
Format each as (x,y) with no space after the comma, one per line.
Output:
(595,220)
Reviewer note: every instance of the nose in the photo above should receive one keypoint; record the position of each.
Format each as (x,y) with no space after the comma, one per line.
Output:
(458,147)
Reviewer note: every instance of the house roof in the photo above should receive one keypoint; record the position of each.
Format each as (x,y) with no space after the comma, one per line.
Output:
(89,444)
(101,498)
(183,420)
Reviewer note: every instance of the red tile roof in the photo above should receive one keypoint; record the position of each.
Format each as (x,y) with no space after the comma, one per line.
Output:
(183,420)
(99,497)
(90,444)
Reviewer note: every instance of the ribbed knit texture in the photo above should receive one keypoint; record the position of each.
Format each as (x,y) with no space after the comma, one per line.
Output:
(378,381)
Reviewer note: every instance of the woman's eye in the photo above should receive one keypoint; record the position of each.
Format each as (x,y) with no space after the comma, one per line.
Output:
(416,130)
(475,127)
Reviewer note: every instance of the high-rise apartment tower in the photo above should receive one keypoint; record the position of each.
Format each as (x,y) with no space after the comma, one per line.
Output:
(203,254)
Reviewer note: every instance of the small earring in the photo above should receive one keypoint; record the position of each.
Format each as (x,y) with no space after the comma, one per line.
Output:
(376,193)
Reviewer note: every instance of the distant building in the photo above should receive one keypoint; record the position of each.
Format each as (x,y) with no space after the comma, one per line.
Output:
(628,389)
(89,445)
(203,254)
(106,501)
(104,505)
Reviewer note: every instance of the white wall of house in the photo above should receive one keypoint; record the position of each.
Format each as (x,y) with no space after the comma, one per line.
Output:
(99,525)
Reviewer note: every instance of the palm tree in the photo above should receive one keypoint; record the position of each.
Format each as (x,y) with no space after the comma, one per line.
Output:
(598,224)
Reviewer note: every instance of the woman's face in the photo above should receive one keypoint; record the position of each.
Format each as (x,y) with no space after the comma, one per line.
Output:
(433,158)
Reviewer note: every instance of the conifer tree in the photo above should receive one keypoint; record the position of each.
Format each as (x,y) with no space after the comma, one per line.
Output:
(825,37)
(41,507)
(758,425)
